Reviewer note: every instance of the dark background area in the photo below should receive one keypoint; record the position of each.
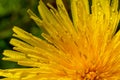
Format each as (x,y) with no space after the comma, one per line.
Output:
(14,13)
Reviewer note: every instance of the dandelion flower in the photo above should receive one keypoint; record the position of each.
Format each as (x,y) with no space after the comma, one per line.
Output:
(86,47)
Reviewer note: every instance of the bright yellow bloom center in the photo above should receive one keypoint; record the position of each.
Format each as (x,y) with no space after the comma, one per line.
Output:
(84,48)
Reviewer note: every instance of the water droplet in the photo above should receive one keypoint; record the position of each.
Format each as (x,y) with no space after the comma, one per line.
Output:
(98,3)
(113,10)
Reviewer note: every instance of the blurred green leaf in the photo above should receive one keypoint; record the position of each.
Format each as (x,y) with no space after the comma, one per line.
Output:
(14,12)
(6,6)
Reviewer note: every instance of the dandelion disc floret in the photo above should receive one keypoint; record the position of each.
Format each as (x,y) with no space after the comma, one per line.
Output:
(84,47)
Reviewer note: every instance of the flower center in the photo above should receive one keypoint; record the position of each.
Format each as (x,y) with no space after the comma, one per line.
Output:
(91,76)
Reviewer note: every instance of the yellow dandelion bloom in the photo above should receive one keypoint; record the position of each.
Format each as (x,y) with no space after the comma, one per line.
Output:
(86,47)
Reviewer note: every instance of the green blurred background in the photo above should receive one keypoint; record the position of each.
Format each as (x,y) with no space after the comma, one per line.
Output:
(14,13)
